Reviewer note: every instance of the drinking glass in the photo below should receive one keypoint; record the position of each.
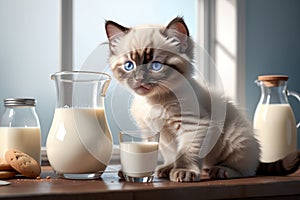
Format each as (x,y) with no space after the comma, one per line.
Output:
(138,153)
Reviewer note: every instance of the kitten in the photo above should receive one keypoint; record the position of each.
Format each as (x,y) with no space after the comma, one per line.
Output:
(156,64)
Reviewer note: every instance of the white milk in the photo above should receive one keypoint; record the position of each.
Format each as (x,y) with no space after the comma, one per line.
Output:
(26,139)
(276,130)
(79,141)
(138,159)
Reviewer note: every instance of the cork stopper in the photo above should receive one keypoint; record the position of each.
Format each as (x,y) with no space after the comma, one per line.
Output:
(272,80)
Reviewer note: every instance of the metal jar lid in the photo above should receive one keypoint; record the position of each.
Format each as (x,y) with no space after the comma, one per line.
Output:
(19,102)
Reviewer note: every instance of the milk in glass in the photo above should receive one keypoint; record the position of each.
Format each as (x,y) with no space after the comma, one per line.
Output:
(138,159)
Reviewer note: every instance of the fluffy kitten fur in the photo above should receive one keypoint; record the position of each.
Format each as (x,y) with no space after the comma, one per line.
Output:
(156,64)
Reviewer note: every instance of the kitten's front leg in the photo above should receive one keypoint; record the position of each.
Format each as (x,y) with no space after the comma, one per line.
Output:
(187,168)
(167,149)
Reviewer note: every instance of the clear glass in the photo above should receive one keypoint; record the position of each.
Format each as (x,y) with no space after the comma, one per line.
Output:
(274,121)
(79,143)
(20,129)
(138,153)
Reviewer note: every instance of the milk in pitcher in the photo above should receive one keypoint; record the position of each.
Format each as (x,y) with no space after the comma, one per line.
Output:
(79,141)
(274,124)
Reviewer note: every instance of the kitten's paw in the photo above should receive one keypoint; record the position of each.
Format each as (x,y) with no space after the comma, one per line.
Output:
(217,172)
(220,172)
(163,171)
(185,175)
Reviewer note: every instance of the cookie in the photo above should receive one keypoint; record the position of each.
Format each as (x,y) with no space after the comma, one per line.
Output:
(7,174)
(4,165)
(23,163)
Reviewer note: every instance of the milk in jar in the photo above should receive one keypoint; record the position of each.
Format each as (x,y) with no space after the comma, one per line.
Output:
(27,140)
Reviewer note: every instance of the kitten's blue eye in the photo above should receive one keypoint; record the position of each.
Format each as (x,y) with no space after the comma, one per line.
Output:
(156,66)
(128,66)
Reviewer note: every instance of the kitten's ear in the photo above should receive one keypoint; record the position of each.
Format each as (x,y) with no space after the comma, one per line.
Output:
(179,25)
(114,32)
(179,30)
(114,29)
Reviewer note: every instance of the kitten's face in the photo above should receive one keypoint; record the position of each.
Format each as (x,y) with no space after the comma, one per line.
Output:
(149,60)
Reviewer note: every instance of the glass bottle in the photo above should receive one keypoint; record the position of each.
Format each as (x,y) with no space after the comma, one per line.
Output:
(274,120)
(20,127)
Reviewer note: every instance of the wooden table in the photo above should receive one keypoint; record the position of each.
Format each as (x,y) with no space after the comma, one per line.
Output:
(111,187)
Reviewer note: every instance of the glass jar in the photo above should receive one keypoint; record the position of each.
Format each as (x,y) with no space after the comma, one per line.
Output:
(274,120)
(20,127)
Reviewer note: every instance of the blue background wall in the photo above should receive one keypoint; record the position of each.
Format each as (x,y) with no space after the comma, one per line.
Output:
(272,46)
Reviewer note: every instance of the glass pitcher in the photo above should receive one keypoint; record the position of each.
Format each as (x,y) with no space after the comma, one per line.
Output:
(274,120)
(79,143)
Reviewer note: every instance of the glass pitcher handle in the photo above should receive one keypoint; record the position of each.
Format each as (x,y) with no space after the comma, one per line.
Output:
(294,94)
